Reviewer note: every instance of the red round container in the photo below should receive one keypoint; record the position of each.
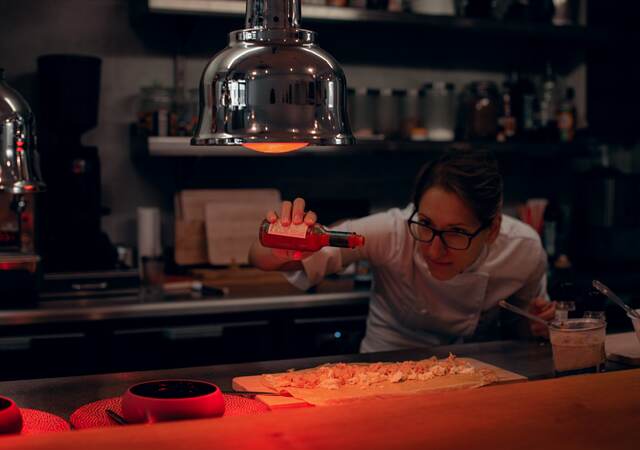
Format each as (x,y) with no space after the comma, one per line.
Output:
(10,417)
(164,400)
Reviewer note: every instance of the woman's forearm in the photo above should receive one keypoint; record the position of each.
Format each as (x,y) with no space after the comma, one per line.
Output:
(266,259)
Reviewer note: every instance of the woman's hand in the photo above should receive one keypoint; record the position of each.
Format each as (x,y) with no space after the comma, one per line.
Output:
(292,213)
(544,309)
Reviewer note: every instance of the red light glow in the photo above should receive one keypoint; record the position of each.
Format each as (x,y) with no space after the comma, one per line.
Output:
(276,147)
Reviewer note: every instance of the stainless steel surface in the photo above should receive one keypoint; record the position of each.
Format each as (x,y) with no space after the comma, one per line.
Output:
(19,165)
(111,274)
(85,292)
(134,307)
(273,84)
(86,285)
(617,300)
(522,312)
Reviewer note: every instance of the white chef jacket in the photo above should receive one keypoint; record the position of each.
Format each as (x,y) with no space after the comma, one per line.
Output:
(409,307)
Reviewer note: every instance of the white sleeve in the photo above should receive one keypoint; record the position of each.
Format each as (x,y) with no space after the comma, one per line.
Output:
(536,283)
(325,261)
(379,245)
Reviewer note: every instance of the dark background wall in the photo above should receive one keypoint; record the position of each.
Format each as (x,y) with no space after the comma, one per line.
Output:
(139,52)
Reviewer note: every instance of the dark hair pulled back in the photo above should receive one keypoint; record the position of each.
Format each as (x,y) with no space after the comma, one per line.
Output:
(471,174)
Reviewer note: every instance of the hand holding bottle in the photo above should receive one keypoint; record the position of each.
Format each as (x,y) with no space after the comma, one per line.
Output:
(298,234)
(292,213)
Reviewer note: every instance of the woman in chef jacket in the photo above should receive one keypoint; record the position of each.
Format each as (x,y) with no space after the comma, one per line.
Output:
(440,265)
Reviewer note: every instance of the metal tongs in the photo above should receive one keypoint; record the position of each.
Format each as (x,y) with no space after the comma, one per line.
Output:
(617,300)
(522,312)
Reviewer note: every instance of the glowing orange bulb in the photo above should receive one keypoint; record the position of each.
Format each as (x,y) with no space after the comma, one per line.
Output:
(276,147)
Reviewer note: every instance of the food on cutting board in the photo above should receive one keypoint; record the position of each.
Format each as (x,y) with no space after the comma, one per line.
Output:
(334,383)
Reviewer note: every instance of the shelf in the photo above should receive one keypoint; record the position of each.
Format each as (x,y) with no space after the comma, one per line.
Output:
(316,13)
(180,147)
(383,38)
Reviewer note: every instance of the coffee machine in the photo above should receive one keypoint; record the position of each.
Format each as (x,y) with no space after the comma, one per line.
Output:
(68,90)
(20,187)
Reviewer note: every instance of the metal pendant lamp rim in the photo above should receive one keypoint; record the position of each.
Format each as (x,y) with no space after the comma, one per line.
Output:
(281,36)
(231,141)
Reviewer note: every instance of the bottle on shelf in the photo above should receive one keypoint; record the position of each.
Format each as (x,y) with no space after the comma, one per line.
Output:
(480,110)
(305,238)
(524,102)
(507,120)
(567,116)
(549,105)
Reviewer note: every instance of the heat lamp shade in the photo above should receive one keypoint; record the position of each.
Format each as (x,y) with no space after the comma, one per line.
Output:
(19,160)
(273,86)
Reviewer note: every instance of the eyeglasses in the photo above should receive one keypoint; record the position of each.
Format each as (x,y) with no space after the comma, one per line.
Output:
(455,240)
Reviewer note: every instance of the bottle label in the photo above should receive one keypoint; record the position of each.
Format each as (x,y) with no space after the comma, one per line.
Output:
(293,230)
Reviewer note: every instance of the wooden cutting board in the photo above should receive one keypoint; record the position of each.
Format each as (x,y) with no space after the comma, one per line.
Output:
(190,204)
(191,246)
(231,228)
(326,396)
(190,242)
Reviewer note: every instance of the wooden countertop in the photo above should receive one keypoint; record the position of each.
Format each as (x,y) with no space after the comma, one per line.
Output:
(579,412)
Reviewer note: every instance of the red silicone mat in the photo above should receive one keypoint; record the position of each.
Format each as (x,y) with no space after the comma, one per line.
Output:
(35,421)
(93,415)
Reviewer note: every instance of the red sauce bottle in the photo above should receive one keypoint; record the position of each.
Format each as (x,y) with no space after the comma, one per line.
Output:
(306,238)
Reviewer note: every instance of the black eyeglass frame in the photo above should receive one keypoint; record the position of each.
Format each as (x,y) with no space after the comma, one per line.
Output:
(439,233)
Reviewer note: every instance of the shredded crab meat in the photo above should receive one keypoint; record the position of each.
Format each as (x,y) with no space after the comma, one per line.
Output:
(334,376)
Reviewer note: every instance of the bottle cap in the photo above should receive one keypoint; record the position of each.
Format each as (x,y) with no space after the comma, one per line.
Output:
(356,240)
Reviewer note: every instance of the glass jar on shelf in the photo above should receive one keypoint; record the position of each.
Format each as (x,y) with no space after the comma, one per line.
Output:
(412,115)
(389,113)
(187,112)
(440,111)
(156,112)
(362,111)
(481,107)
